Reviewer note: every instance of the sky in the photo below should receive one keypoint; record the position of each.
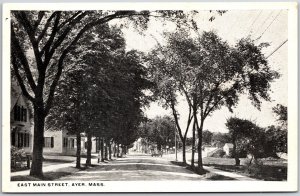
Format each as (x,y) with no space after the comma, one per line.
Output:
(264,25)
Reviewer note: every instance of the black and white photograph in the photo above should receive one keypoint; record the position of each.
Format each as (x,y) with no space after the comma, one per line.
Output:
(149,97)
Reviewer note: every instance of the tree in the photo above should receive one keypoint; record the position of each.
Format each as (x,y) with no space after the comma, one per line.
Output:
(276,136)
(77,82)
(219,139)
(276,140)
(167,89)
(159,131)
(66,112)
(246,136)
(212,74)
(207,137)
(281,113)
(129,87)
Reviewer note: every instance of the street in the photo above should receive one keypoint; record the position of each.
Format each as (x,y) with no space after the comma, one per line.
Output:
(135,167)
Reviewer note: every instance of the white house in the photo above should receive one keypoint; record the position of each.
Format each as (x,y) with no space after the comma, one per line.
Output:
(60,142)
(21,124)
(208,150)
(228,148)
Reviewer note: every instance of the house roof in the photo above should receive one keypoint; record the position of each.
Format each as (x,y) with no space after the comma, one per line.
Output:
(16,94)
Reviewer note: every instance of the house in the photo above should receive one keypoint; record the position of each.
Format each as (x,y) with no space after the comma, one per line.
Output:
(22,129)
(21,124)
(141,146)
(208,150)
(62,143)
(137,145)
(228,148)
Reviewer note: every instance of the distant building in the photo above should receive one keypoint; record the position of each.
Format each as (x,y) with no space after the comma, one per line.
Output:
(141,146)
(137,145)
(208,150)
(228,148)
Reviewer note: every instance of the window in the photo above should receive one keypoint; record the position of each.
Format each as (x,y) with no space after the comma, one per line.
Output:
(25,140)
(22,140)
(48,142)
(72,143)
(97,145)
(13,138)
(65,142)
(69,143)
(20,113)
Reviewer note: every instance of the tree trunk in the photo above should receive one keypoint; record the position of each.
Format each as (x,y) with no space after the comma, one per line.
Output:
(183,151)
(115,149)
(193,146)
(109,150)
(89,150)
(106,153)
(250,162)
(158,145)
(200,164)
(38,143)
(234,153)
(78,150)
(123,150)
(102,149)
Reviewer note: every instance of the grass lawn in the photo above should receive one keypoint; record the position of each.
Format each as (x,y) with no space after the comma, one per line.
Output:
(270,169)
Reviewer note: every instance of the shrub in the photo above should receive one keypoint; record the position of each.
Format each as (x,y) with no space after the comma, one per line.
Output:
(242,153)
(17,155)
(254,166)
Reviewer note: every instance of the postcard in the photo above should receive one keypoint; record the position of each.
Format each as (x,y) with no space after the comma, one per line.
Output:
(150,97)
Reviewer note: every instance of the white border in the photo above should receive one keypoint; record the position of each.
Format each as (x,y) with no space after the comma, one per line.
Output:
(161,186)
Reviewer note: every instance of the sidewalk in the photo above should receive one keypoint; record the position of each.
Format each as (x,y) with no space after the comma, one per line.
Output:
(236,176)
(49,168)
